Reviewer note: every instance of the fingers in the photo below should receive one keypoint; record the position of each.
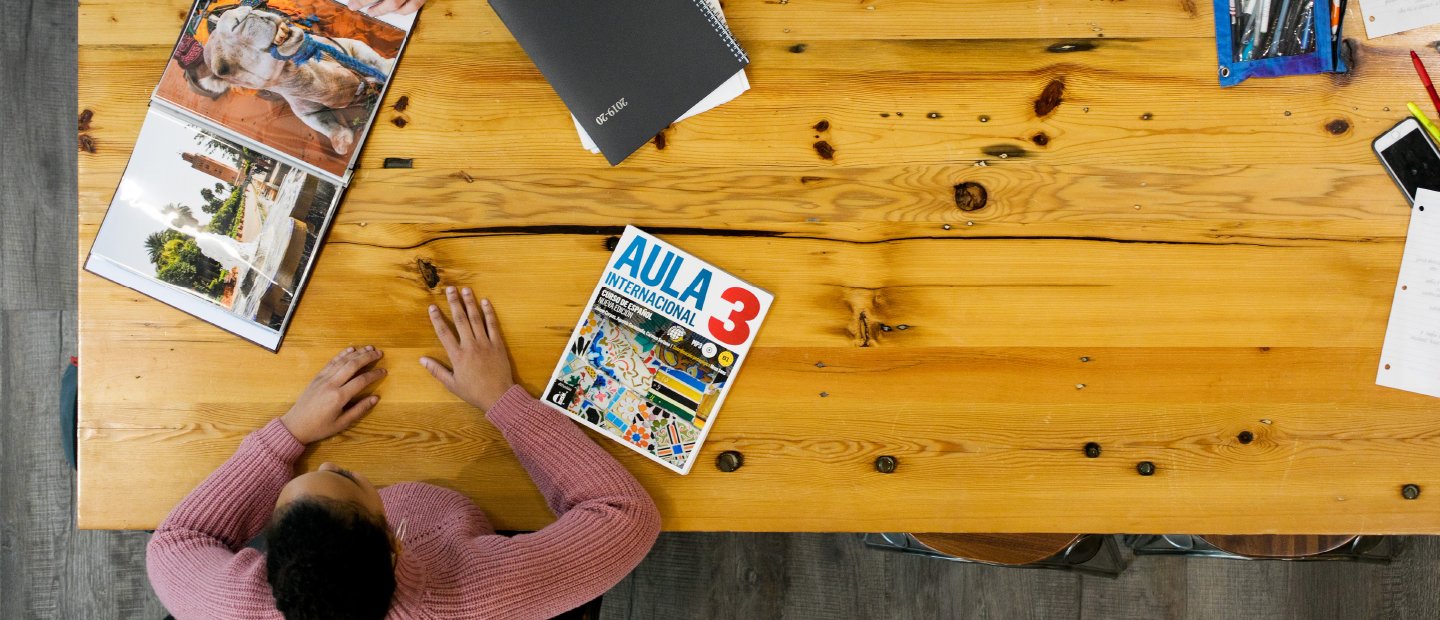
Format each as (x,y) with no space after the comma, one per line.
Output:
(359,383)
(354,362)
(440,372)
(384,7)
(334,363)
(358,410)
(472,312)
(443,331)
(459,316)
(410,6)
(492,323)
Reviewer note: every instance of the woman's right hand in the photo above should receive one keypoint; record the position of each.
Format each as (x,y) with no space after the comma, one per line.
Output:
(479,371)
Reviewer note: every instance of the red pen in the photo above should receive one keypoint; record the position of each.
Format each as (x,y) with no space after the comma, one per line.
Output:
(1425,77)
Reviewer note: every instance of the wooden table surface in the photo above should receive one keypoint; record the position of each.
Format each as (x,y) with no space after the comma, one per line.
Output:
(1155,265)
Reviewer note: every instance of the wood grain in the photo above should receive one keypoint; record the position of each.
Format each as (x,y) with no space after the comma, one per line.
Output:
(1158,266)
(113,22)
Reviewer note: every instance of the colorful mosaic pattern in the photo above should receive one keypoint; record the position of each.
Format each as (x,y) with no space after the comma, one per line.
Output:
(639,389)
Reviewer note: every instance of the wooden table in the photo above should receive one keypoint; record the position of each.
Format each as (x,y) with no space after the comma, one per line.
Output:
(977,282)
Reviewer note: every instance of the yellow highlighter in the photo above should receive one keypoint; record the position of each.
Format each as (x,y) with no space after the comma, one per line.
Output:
(1424,122)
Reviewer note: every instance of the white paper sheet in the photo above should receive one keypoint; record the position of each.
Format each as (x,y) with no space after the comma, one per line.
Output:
(1410,360)
(1384,17)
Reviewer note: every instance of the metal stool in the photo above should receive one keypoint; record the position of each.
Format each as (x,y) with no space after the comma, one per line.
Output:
(1379,549)
(1087,553)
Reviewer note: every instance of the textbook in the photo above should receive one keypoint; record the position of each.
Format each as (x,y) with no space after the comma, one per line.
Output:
(626,69)
(657,349)
(248,144)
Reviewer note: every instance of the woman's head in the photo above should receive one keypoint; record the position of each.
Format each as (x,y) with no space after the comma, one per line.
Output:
(329,552)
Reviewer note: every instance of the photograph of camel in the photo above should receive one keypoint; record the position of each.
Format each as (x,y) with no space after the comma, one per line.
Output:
(213,228)
(301,76)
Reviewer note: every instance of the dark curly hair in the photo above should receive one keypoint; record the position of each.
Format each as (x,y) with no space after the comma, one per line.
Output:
(328,559)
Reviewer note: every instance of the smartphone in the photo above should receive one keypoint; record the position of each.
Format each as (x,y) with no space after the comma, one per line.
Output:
(1410,157)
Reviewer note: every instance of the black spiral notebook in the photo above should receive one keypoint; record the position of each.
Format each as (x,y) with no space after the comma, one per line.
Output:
(625,69)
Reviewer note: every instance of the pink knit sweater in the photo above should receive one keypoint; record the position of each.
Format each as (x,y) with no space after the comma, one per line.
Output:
(453,565)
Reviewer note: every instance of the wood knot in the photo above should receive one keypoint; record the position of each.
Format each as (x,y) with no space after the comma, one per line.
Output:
(398,162)
(1246,437)
(86,116)
(428,272)
(1050,98)
(729,461)
(1067,47)
(824,149)
(1003,151)
(1338,126)
(822,125)
(1145,468)
(1092,450)
(402,103)
(798,48)
(660,141)
(399,121)
(1040,139)
(886,464)
(87,143)
(971,196)
(611,242)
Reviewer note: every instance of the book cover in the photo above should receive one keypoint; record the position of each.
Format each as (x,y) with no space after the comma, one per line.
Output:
(625,69)
(657,349)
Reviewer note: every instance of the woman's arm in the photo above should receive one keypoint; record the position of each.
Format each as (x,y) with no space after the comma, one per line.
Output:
(192,559)
(195,559)
(607,522)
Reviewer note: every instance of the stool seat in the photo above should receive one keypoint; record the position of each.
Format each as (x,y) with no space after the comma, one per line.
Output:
(1007,549)
(1265,546)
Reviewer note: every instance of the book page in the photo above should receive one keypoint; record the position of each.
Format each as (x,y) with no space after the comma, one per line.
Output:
(1410,360)
(1384,17)
(213,228)
(303,77)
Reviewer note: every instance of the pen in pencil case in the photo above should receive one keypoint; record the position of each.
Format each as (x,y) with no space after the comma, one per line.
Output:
(1307,29)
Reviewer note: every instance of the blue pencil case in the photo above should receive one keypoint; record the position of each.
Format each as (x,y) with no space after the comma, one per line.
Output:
(1270,38)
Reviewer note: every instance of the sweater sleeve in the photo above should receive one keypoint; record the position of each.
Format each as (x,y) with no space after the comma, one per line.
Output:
(196,560)
(606,521)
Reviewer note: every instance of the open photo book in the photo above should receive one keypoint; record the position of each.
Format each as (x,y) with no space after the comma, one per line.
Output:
(246,149)
(657,349)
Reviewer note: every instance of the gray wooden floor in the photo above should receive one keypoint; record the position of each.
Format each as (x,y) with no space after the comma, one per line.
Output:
(50,570)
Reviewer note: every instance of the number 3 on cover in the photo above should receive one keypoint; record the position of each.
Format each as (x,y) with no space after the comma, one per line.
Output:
(738,330)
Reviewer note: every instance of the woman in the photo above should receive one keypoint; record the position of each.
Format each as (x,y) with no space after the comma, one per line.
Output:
(340,548)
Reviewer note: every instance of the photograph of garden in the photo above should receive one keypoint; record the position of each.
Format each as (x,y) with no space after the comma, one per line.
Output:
(227,225)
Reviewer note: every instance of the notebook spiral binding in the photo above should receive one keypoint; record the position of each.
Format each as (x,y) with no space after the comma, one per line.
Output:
(721,29)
